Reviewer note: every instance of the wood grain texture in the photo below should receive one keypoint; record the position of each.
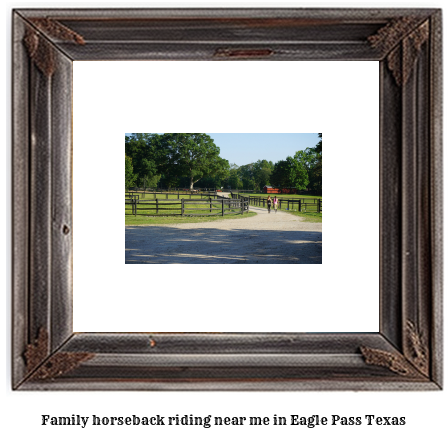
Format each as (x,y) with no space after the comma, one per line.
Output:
(436,195)
(391,237)
(20,201)
(61,199)
(40,200)
(406,354)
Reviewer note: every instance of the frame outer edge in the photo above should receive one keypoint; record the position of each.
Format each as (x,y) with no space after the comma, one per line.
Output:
(42,131)
(417,106)
(436,182)
(20,200)
(252,12)
(419,338)
(40,311)
(279,385)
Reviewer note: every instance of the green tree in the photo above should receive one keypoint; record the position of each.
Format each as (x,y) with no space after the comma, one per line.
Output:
(246,173)
(311,159)
(290,173)
(262,171)
(191,155)
(129,177)
(234,180)
(167,158)
(316,174)
(140,148)
(216,180)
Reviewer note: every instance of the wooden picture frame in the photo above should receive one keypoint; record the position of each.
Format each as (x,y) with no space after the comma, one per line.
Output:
(406,353)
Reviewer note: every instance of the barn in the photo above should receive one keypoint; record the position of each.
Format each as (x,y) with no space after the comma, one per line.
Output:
(270,189)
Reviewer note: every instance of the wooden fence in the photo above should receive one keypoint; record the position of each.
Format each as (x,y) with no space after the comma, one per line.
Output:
(186,207)
(167,194)
(299,204)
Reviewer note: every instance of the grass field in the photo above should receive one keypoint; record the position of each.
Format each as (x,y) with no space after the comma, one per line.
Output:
(309,216)
(165,207)
(164,220)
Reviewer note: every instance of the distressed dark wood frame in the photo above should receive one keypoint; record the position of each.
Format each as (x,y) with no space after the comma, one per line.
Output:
(406,354)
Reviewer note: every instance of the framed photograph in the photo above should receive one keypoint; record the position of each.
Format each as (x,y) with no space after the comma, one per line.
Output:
(406,352)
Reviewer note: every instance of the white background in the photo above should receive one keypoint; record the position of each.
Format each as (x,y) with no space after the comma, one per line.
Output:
(183,96)
(425,412)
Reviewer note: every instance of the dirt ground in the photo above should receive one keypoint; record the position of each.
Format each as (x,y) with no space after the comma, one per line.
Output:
(265,238)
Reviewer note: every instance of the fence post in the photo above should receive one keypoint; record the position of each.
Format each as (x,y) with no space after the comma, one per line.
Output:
(300,205)
(157,206)
(242,205)
(318,205)
(182,207)
(222,201)
(210,199)
(135,207)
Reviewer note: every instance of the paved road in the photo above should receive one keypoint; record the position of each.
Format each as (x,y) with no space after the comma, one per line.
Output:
(266,238)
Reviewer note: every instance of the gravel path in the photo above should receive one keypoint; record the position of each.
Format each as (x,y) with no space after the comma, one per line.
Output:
(265,238)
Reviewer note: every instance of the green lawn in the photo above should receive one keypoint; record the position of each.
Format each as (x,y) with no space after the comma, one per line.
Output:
(309,216)
(165,220)
(147,206)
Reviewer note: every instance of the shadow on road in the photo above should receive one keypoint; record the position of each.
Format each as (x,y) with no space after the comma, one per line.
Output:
(214,245)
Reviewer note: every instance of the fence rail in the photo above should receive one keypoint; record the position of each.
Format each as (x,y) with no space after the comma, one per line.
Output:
(186,207)
(301,204)
(151,194)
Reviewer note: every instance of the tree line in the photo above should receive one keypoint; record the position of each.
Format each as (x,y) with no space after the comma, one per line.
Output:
(173,160)
(181,160)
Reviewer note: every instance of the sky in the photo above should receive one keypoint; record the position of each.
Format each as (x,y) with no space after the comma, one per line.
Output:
(244,149)
(248,148)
